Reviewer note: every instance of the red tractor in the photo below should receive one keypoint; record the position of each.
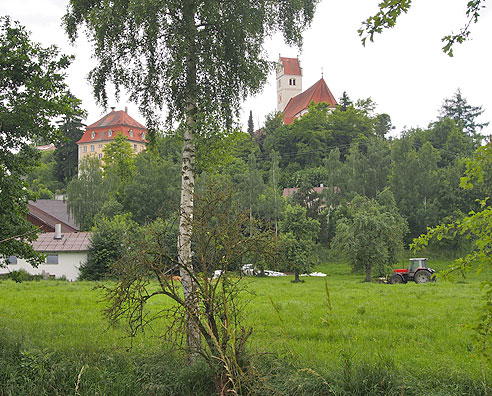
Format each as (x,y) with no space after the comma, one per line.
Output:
(417,271)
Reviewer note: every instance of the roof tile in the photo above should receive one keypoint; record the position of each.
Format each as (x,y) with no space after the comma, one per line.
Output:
(70,242)
(291,66)
(318,93)
(118,122)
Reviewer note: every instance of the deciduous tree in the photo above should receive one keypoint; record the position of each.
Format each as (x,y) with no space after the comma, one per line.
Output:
(33,94)
(371,236)
(297,234)
(199,58)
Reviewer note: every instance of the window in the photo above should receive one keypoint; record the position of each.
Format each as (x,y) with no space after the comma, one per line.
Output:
(99,145)
(12,260)
(92,148)
(85,149)
(292,81)
(93,134)
(52,259)
(135,147)
(99,156)
(131,132)
(110,133)
(143,135)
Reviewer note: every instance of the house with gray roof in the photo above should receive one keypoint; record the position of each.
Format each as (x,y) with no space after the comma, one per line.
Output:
(64,251)
(45,213)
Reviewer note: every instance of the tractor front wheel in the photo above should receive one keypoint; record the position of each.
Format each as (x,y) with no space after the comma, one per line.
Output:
(422,277)
(395,279)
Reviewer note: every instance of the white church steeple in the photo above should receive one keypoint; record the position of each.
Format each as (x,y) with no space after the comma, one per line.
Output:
(289,81)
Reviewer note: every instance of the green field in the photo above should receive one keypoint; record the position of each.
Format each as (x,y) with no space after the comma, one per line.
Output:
(375,339)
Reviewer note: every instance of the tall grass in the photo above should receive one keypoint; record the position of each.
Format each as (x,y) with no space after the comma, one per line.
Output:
(357,339)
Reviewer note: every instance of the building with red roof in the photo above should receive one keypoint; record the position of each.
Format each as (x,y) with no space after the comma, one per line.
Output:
(289,81)
(102,132)
(290,99)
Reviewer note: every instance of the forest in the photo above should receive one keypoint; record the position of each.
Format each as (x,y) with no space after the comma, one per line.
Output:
(349,154)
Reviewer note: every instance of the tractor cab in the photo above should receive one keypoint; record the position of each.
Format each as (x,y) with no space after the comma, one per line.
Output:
(417,263)
(417,271)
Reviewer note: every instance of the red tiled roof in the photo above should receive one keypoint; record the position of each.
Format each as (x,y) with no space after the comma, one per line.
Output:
(70,242)
(118,122)
(318,93)
(291,66)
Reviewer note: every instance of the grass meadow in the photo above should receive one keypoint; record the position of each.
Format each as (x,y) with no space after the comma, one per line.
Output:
(335,336)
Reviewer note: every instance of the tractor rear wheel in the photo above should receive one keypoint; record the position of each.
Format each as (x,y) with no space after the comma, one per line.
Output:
(422,276)
(395,279)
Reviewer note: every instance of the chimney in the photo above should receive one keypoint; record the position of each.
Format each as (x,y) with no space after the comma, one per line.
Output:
(126,109)
(112,108)
(58,234)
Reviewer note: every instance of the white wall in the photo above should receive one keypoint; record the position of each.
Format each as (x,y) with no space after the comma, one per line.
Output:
(68,265)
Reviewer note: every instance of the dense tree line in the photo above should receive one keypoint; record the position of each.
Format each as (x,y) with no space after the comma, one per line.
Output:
(347,151)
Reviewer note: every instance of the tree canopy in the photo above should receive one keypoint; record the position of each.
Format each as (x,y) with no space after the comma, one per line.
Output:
(33,94)
(198,58)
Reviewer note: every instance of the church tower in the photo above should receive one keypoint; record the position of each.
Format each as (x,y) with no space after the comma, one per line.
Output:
(289,81)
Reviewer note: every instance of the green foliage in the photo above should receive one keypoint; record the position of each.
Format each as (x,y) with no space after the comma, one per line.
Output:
(219,242)
(390,10)
(42,176)
(306,143)
(297,234)
(180,54)
(108,244)
(370,238)
(383,125)
(33,94)
(119,159)
(153,190)
(458,109)
(87,193)
(475,225)
(251,125)
(66,153)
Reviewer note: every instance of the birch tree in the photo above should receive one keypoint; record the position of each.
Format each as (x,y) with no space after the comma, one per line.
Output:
(198,58)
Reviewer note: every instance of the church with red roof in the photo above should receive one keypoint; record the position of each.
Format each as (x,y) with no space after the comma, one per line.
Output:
(291,100)
(102,132)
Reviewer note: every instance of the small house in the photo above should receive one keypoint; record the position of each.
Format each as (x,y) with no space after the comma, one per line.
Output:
(64,252)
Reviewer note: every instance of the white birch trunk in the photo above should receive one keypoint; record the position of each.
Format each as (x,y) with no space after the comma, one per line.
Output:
(193,336)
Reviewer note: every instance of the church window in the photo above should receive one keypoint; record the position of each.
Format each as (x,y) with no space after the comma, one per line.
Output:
(292,81)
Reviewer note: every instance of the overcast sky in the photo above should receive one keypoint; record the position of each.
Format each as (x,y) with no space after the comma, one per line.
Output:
(404,71)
